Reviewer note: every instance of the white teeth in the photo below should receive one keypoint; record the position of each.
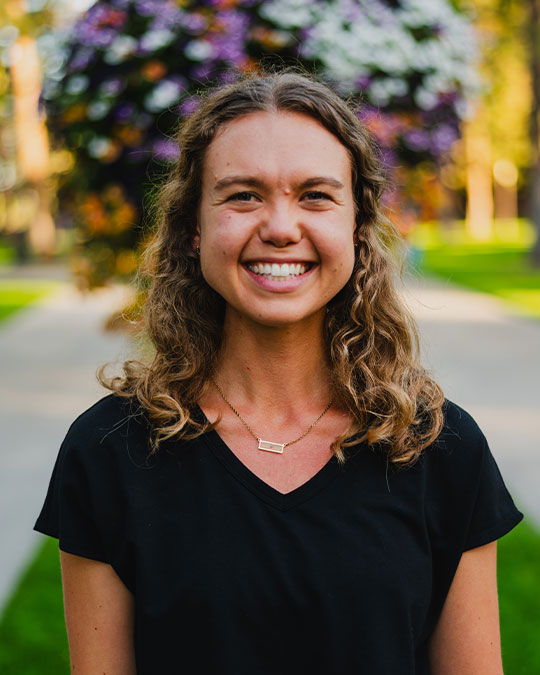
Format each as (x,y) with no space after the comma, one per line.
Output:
(276,271)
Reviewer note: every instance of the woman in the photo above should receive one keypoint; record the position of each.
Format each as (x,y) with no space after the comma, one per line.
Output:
(283,489)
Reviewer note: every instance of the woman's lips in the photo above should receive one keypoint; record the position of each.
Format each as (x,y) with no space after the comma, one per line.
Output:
(278,271)
(280,277)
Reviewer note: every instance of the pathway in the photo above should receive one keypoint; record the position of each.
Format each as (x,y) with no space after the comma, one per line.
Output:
(48,357)
(486,358)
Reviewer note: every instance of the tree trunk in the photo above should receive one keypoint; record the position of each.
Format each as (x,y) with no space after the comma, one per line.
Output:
(534,194)
(32,141)
(479,216)
(505,201)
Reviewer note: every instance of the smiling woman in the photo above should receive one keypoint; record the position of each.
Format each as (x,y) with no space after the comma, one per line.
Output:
(276,237)
(361,538)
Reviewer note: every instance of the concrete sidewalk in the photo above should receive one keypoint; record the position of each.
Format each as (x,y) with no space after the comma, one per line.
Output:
(48,357)
(486,358)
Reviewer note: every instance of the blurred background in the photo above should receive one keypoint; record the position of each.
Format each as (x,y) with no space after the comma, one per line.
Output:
(90,97)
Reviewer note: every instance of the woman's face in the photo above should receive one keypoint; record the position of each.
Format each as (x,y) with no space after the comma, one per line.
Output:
(276,221)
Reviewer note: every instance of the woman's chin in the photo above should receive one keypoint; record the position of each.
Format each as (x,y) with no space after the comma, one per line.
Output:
(282,317)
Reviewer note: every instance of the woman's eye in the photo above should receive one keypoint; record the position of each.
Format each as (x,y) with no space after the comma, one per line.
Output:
(242,197)
(316,195)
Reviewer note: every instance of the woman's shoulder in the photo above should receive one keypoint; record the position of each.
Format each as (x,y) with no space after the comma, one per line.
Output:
(461,450)
(105,414)
(109,422)
(460,429)
(464,490)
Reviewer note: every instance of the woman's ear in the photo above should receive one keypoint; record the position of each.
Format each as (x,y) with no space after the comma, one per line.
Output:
(196,242)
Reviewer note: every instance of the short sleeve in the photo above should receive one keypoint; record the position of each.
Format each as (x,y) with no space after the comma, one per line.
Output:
(468,502)
(67,512)
(493,513)
(88,506)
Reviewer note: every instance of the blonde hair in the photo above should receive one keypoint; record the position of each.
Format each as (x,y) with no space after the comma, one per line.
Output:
(370,338)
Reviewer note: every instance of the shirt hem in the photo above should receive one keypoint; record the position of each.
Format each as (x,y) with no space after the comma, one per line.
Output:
(495,532)
(72,548)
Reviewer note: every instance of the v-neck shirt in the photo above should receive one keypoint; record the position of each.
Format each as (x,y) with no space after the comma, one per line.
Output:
(345,574)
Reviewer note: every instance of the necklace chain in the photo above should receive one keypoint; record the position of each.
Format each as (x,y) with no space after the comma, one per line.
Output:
(258,438)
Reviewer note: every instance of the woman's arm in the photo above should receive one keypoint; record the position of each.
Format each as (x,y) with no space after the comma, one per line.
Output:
(99,618)
(466,640)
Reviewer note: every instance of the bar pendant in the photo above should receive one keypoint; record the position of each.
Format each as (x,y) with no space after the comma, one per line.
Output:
(271,447)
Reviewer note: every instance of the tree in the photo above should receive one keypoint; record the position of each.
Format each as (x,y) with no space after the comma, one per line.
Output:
(134,67)
(534,125)
(24,160)
(497,148)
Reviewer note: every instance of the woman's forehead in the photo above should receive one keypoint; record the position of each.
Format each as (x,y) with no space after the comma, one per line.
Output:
(276,141)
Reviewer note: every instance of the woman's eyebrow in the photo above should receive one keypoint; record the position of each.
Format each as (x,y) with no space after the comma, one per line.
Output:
(253,181)
(321,180)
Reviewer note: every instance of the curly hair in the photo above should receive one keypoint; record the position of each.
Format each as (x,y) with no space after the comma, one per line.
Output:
(370,337)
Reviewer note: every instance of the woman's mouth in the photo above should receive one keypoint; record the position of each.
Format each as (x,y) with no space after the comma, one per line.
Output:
(278,271)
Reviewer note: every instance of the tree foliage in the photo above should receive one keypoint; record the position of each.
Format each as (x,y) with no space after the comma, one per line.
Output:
(133,68)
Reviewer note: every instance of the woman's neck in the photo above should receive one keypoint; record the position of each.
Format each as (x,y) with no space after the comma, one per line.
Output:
(267,365)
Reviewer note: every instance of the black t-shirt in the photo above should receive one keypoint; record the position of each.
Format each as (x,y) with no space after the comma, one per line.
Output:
(346,574)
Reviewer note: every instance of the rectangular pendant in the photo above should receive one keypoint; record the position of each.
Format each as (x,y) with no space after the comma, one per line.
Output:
(271,447)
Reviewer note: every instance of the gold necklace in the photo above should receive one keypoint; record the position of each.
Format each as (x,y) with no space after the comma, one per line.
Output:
(269,446)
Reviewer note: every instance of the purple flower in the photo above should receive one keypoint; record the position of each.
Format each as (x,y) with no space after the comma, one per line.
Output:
(228,76)
(305,33)
(229,45)
(169,18)
(124,111)
(82,59)
(417,140)
(362,83)
(443,137)
(367,113)
(202,72)
(235,23)
(150,7)
(166,150)
(95,36)
(388,159)
(194,23)
(112,87)
(189,106)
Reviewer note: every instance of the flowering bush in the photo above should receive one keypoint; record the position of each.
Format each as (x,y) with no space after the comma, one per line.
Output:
(133,68)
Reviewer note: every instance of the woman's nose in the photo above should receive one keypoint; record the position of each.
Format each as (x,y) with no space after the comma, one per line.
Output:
(280,225)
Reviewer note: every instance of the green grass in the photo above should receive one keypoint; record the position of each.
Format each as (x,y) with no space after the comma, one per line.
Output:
(32,633)
(500,266)
(33,640)
(18,293)
(519,599)
(7,253)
